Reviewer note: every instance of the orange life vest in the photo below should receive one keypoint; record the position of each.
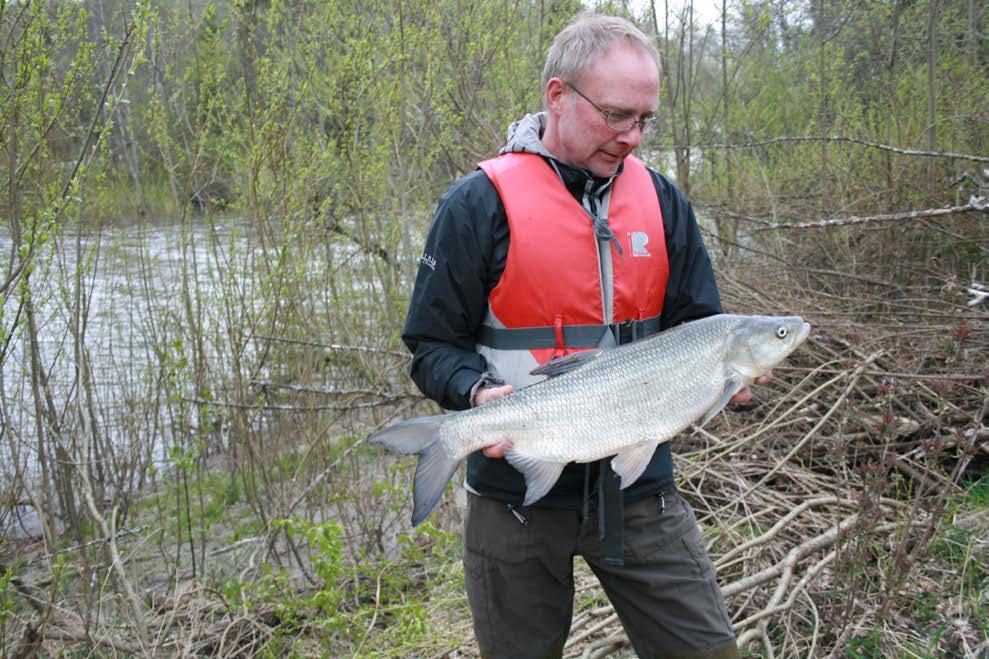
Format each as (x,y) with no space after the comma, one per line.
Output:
(552,277)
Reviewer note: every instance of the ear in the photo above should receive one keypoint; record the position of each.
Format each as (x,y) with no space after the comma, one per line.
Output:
(556,94)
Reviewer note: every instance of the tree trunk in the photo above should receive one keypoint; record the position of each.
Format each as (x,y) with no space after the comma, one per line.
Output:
(931,91)
(823,110)
(727,227)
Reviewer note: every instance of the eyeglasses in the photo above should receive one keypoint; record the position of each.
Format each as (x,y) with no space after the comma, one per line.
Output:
(617,121)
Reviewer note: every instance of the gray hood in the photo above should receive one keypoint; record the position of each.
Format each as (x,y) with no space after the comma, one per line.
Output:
(524,135)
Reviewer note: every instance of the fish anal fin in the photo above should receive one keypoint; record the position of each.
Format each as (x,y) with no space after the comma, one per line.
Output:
(540,475)
(733,384)
(630,463)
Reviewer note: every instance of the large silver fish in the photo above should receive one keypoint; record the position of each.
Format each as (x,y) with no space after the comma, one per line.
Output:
(622,402)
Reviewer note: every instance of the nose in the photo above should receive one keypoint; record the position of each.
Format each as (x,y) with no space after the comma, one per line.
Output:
(631,137)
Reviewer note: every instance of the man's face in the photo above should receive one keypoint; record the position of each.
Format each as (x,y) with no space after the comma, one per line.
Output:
(624,80)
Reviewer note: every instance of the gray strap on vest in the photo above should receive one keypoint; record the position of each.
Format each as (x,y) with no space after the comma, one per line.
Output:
(591,202)
(574,336)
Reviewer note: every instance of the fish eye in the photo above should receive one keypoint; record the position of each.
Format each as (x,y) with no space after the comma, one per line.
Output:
(781,332)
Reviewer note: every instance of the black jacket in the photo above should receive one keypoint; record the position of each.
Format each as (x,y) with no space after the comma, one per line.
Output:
(463,259)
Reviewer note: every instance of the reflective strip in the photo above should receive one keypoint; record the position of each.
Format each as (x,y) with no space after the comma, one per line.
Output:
(574,336)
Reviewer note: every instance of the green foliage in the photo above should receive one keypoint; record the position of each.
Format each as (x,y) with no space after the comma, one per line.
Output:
(344,592)
(961,545)
(326,561)
(867,646)
(978,493)
(6,602)
(838,69)
(951,606)
(320,606)
(957,546)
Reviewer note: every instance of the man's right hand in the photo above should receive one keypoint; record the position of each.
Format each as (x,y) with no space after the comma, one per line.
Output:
(486,395)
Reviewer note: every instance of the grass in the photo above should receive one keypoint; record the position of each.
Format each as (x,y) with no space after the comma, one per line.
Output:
(950,605)
(978,493)
(349,599)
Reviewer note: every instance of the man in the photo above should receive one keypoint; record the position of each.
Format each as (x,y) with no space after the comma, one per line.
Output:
(568,233)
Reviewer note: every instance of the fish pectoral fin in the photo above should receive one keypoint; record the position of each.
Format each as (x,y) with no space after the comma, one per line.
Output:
(630,463)
(733,384)
(565,364)
(540,475)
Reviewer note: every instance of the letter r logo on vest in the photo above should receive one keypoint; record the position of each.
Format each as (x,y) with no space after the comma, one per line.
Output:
(639,240)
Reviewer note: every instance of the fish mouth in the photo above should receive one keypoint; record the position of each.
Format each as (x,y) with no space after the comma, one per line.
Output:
(803,333)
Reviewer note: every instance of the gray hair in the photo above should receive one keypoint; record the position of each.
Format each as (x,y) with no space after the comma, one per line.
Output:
(586,38)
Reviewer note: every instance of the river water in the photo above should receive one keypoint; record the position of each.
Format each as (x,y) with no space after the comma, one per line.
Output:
(130,282)
(148,291)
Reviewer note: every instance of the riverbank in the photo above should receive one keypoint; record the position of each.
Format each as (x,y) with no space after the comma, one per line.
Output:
(846,507)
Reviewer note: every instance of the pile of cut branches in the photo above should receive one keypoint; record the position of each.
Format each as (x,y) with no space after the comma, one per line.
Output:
(843,508)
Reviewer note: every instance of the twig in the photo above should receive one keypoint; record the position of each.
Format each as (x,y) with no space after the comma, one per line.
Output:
(573,640)
(84,545)
(841,138)
(814,544)
(235,545)
(81,636)
(274,407)
(809,576)
(884,217)
(777,527)
(298,388)
(377,608)
(606,646)
(334,346)
(323,474)
(856,374)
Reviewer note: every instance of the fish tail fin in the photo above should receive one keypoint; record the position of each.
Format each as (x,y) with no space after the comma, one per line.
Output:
(434,470)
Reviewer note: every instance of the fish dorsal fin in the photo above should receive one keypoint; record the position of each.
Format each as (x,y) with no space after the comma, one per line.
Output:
(733,384)
(630,463)
(540,475)
(565,364)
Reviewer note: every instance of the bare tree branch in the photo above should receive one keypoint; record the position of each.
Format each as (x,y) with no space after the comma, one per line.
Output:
(836,138)
(976,204)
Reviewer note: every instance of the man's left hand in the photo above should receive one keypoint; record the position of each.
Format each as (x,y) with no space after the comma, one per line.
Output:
(745,395)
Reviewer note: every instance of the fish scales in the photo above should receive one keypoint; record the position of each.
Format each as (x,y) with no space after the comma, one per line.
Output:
(676,374)
(622,402)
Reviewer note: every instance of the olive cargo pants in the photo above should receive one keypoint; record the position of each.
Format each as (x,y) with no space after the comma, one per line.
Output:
(520,579)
